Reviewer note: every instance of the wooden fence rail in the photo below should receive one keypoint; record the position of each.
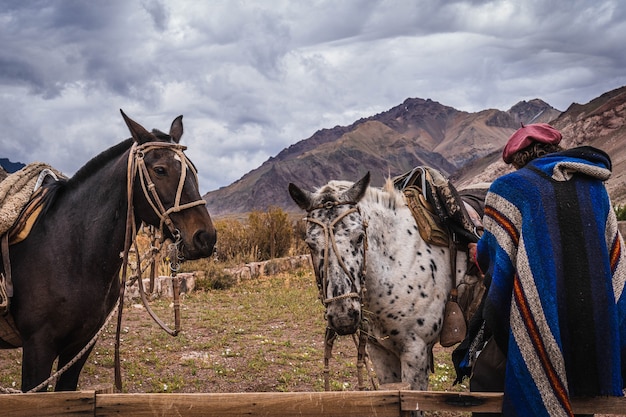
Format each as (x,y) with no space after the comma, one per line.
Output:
(284,404)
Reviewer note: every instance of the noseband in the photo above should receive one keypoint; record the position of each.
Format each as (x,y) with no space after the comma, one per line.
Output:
(330,241)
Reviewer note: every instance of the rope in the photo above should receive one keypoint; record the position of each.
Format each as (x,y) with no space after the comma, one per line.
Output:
(330,241)
(79,355)
(136,166)
(329,338)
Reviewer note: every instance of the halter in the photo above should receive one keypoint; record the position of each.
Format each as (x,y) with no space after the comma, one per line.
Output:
(330,336)
(329,239)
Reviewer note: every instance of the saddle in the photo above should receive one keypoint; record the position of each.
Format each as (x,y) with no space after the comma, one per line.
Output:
(440,212)
(21,202)
(444,218)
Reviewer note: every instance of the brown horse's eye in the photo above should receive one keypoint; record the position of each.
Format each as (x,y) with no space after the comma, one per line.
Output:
(160,171)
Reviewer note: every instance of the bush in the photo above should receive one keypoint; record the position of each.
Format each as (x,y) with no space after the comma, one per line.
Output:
(270,233)
(234,242)
(264,236)
(215,277)
(620,211)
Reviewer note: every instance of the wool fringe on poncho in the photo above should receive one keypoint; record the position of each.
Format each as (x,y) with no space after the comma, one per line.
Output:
(556,304)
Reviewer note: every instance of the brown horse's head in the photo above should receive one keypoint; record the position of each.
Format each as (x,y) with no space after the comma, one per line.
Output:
(166,189)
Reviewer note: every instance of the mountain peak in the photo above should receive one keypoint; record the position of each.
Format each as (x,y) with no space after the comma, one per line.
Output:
(390,143)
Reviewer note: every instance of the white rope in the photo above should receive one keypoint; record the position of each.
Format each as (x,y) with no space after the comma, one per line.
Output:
(69,364)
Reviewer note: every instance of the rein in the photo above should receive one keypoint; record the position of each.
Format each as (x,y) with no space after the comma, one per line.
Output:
(136,166)
(331,335)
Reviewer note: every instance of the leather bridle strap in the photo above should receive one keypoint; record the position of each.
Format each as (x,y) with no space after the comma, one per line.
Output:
(331,335)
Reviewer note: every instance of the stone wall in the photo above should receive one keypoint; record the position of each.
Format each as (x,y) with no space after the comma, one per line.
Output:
(271,267)
(162,286)
(253,270)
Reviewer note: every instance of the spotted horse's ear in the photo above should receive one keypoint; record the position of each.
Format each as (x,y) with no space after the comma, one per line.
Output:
(300,196)
(355,193)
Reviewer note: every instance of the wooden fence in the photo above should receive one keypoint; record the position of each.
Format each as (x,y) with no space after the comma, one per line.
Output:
(388,403)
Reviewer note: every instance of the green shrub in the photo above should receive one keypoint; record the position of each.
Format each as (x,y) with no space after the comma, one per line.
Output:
(271,233)
(215,277)
(620,211)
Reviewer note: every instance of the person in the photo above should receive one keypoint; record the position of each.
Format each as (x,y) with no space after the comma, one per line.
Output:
(555,306)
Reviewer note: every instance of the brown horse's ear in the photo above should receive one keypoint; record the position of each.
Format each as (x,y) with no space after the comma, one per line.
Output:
(140,135)
(355,193)
(176,130)
(301,197)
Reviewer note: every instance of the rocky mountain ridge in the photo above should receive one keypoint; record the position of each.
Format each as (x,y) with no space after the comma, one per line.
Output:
(9,167)
(416,132)
(600,123)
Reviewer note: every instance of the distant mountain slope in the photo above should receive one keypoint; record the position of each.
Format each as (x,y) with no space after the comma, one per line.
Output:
(9,166)
(600,123)
(417,132)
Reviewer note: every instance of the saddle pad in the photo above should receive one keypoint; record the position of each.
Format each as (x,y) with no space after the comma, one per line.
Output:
(8,331)
(17,189)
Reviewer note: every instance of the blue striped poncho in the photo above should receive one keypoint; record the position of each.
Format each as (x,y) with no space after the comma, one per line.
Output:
(556,303)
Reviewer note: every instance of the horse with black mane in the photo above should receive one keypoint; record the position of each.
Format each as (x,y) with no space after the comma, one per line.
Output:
(66,274)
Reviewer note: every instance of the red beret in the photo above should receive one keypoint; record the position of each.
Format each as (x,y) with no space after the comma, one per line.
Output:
(526,135)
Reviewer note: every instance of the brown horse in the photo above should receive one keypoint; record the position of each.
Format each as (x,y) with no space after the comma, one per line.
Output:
(66,272)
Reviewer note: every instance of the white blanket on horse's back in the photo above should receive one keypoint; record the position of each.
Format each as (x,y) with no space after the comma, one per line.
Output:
(16,190)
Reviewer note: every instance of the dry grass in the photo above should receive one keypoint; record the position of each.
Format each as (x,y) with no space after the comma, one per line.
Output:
(261,335)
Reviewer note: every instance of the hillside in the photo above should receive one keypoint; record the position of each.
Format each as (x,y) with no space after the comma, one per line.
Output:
(417,132)
(9,167)
(600,123)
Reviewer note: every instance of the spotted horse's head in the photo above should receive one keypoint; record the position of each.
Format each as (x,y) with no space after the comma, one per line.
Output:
(336,236)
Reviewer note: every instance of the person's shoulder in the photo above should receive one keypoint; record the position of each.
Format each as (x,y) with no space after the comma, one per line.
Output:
(590,155)
(509,178)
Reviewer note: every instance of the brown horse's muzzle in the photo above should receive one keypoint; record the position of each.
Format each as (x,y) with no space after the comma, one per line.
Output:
(198,242)
(203,244)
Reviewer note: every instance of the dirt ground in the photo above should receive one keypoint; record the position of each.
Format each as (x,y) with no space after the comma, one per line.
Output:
(262,336)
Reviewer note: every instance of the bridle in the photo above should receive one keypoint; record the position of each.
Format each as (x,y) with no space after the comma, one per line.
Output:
(137,166)
(330,242)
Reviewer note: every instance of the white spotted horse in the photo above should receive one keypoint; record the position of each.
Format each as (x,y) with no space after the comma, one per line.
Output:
(372,267)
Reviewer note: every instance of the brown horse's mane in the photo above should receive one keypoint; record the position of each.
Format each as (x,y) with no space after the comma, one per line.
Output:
(92,166)
(58,187)
(96,163)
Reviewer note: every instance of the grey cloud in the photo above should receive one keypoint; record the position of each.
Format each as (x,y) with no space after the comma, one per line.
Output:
(254,77)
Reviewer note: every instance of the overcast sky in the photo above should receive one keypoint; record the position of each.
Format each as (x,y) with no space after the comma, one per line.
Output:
(253,77)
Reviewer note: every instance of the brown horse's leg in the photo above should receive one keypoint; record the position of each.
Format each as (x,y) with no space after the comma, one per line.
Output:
(68,381)
(37,360)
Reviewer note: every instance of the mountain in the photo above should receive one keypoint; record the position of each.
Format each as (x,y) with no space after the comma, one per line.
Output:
(600,123)
(9,166)
(416,132)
